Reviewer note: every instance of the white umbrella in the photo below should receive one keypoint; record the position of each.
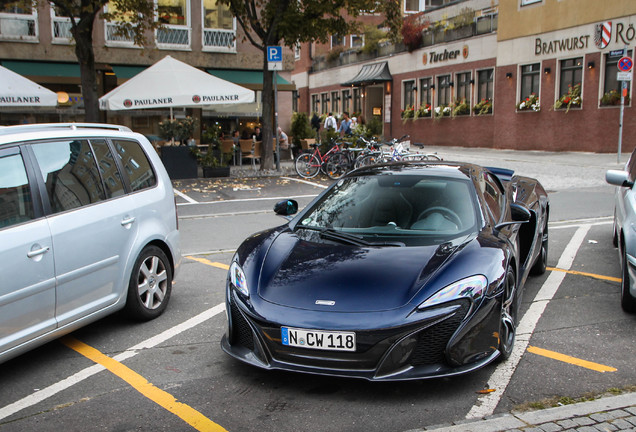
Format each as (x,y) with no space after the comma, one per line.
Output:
(171,83)
(16,90)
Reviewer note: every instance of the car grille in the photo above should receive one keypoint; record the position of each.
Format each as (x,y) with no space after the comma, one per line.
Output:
(432,341)
(241,330)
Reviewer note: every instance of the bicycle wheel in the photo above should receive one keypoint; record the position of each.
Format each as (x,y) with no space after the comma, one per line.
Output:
(370,159)
(307,165)
(336,166)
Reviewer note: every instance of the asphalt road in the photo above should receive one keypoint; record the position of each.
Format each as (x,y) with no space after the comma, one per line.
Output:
(177,356)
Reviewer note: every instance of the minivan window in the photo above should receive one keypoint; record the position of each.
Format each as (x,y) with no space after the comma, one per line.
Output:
(107,167)
(16,205)
(136,164)
(70,173)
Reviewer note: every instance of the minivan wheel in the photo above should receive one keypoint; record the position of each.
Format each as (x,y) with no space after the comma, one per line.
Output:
(150,285)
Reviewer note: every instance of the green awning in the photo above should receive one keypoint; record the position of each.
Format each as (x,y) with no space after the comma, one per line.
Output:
(249,78)
(49,69)
(127,72)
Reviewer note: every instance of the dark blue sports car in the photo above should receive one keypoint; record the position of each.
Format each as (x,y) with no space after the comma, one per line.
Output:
(397,271)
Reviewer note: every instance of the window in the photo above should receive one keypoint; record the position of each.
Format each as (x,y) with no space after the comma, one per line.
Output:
(463,86)
(71,174)
(114,35)
(357,41)
(611,86)
(571,74)
(108,169)
(136,164)
(484,84)
(493,196)
(18,20)
(297,51)
(324,102)
(175,16)
(426,91)
(357,100)
(530,75)
(15,194)
(335,102)
(346,100)
(219,28)
(337,40)
(413,6)
(60,26)
(408,98)
(443,90)
(529,2)
(315,103)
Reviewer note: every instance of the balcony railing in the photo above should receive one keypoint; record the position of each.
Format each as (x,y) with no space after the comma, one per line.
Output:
(173,37)
(219,40)
(115,36)
(15,27)
(62,30)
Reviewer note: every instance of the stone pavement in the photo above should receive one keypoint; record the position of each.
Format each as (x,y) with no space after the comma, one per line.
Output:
(613,413)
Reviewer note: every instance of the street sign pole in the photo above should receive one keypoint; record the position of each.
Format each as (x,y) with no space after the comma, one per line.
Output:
(624,76)
(276,121)
(620,121)
(274,63)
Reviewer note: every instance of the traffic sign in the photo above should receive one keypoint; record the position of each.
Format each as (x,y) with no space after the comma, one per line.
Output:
(625,64)
(274,58)
(623,76)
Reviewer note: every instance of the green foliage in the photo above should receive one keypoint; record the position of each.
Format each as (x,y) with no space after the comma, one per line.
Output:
(212,157)
(180,129)
(372,38)
(570,99)
(412,32)
(374,126)
(301,127)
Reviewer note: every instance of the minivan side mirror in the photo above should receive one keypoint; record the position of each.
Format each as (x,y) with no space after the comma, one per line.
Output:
(618,178)
(286,207)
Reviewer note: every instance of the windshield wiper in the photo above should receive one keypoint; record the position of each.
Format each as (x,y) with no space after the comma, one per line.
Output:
(344,237)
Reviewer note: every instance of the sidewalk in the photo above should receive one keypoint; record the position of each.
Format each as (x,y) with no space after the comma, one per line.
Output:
(613,413)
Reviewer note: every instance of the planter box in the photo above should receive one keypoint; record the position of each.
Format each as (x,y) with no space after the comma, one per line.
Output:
(216,171)
(179,162)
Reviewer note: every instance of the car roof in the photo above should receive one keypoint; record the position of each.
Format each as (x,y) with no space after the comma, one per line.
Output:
(458,170)
(37,131)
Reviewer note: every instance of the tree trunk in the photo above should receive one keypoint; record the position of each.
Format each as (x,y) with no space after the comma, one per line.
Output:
(267,155)
(83,34)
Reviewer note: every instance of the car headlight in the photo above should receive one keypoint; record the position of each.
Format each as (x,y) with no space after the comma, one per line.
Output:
(472,288)
(238,279)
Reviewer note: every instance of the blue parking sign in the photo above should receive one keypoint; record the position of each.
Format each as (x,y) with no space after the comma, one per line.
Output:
(274,54)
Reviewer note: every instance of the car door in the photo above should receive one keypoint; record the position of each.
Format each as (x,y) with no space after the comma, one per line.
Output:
(92,225)
(27,291)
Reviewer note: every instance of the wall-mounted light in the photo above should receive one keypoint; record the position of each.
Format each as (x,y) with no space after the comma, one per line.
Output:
(590,65)
(472,81)
(508,75)
(432,86)
(452,84)
(547,70)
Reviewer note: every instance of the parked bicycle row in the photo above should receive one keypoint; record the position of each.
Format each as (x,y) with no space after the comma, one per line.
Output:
(343,156)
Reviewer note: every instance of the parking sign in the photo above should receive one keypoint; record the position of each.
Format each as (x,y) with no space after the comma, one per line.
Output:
(274,58)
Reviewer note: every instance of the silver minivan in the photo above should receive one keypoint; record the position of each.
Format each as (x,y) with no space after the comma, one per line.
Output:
(88,226)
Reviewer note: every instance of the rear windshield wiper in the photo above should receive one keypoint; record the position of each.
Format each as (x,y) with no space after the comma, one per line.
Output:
(344,237)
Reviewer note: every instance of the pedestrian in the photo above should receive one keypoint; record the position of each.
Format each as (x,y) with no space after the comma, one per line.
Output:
(330,122)
(284,140)
(315,123)
(354,123)
(345,125)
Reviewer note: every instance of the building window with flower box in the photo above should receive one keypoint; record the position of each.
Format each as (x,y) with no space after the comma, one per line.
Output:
(484,92)
(529,87)
(425,97)
(408,94)
(461,105)
(444,85)
(570,79)
(611,86)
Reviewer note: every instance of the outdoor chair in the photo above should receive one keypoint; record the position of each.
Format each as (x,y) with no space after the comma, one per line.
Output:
(255,153)
(227,146)
(246,148)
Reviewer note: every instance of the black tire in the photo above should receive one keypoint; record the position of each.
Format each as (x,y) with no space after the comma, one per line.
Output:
(336,166)
(541,263)
(615,236)
(307,165)
(150,285)
(628,302)
(508,316)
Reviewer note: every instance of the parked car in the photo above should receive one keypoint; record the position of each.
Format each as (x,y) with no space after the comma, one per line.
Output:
(88,226)
(399,271)
(624,236)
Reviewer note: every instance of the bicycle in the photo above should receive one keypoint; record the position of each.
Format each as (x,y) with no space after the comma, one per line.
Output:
(308,165)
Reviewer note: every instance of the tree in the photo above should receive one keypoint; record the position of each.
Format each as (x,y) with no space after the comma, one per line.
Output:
(134,17)
(275,22)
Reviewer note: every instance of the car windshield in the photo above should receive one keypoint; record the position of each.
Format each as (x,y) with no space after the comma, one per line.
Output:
(401,206)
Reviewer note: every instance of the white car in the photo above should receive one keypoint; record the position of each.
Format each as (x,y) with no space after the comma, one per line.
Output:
(88,226)
(625,229)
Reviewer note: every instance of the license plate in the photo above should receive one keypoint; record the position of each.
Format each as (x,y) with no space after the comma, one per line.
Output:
(318,339)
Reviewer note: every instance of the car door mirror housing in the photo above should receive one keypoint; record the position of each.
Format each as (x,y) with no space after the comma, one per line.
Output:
(518,214)
(618,178)
(286,207)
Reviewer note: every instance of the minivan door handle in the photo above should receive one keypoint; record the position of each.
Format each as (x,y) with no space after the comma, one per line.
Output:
(37,252)
(127,221)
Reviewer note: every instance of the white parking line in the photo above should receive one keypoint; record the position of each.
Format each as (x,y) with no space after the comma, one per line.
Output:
(500,378)
(306,182)
(246,200)
(184,196)
(80,376)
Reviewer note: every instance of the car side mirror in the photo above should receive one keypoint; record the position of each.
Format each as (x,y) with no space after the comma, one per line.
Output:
(286,207)
(618,178)
(518,214)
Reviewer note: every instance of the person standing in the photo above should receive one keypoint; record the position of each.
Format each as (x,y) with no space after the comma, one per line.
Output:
(345,125)
(315,123)
(330,122)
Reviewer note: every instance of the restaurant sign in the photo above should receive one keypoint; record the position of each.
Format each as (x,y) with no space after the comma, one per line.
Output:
(603,34)
(20,100)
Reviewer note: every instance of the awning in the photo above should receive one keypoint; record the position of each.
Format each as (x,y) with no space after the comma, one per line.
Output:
(370,74)
(250,79)
(127,72)
(44,71)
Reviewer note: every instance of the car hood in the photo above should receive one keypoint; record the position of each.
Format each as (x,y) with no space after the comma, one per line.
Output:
(321,275)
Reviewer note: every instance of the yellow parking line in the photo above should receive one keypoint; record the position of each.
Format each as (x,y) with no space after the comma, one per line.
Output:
(139,383)
(210,263)
(592,275)
(572,360)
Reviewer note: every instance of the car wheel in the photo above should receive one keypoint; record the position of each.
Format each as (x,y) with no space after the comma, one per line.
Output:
(150,285)
(541,263)
(508,320)
(615,236)
(628,303)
